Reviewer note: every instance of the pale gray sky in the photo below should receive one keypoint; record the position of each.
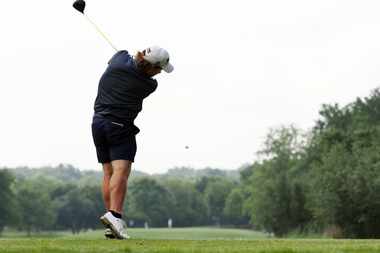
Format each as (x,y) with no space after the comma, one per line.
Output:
(241,67)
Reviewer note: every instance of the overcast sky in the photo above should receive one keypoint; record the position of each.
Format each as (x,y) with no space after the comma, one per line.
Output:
(241,67)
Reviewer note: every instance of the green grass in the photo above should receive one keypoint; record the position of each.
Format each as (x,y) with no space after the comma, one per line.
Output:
(194,240)
(184,234)
(154,234)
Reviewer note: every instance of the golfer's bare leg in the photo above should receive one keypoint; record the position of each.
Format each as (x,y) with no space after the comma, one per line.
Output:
(119,183)
(107,174)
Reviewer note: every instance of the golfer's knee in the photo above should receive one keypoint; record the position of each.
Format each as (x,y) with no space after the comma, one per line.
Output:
(122,168)
(123,173)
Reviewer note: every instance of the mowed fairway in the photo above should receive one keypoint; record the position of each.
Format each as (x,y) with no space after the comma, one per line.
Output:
(184,240)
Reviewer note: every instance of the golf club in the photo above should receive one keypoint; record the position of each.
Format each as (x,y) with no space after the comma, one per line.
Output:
(80,6)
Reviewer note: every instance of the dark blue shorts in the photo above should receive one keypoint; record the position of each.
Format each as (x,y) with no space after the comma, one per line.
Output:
(114,140)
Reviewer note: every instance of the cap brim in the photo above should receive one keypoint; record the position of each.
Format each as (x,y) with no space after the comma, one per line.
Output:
(168,68)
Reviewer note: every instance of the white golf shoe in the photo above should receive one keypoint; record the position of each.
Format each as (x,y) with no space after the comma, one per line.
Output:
(117,225)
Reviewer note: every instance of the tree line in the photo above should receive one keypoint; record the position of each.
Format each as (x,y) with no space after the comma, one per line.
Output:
(65,198)
(325,181)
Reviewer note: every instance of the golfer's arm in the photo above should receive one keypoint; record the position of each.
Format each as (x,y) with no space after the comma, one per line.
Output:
(122,60)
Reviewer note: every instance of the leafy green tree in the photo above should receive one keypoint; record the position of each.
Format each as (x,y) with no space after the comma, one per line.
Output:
(35,207)
(201,184)
(190,209)
(6,199)
(233,210)
(345,168)
(79,208)
(246,173)
(151,200)
(276,200)
(215,195)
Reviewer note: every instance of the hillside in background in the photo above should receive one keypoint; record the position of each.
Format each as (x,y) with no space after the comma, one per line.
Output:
(191,174)
(69,174)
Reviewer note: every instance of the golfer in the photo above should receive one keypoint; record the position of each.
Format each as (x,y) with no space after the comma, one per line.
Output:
(122,88)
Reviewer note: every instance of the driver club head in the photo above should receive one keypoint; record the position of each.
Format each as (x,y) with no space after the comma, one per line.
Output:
(79,5)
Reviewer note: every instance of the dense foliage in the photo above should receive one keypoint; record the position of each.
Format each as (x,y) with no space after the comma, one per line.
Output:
(326,181)
(65,198)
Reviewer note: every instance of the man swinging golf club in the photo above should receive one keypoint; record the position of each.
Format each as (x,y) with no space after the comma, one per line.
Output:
(122,88)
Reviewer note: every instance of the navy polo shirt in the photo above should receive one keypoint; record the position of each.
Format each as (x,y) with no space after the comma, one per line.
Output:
(122,89)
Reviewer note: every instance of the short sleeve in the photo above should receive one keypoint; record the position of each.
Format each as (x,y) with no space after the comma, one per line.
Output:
(120,58)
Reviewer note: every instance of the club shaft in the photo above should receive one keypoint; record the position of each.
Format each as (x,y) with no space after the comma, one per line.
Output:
(100,32)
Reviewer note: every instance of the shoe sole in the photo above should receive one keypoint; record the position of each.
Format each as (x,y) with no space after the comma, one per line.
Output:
(107,223)
(108,234)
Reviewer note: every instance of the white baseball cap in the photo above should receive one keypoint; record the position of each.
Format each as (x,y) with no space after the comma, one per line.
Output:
(158,56)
